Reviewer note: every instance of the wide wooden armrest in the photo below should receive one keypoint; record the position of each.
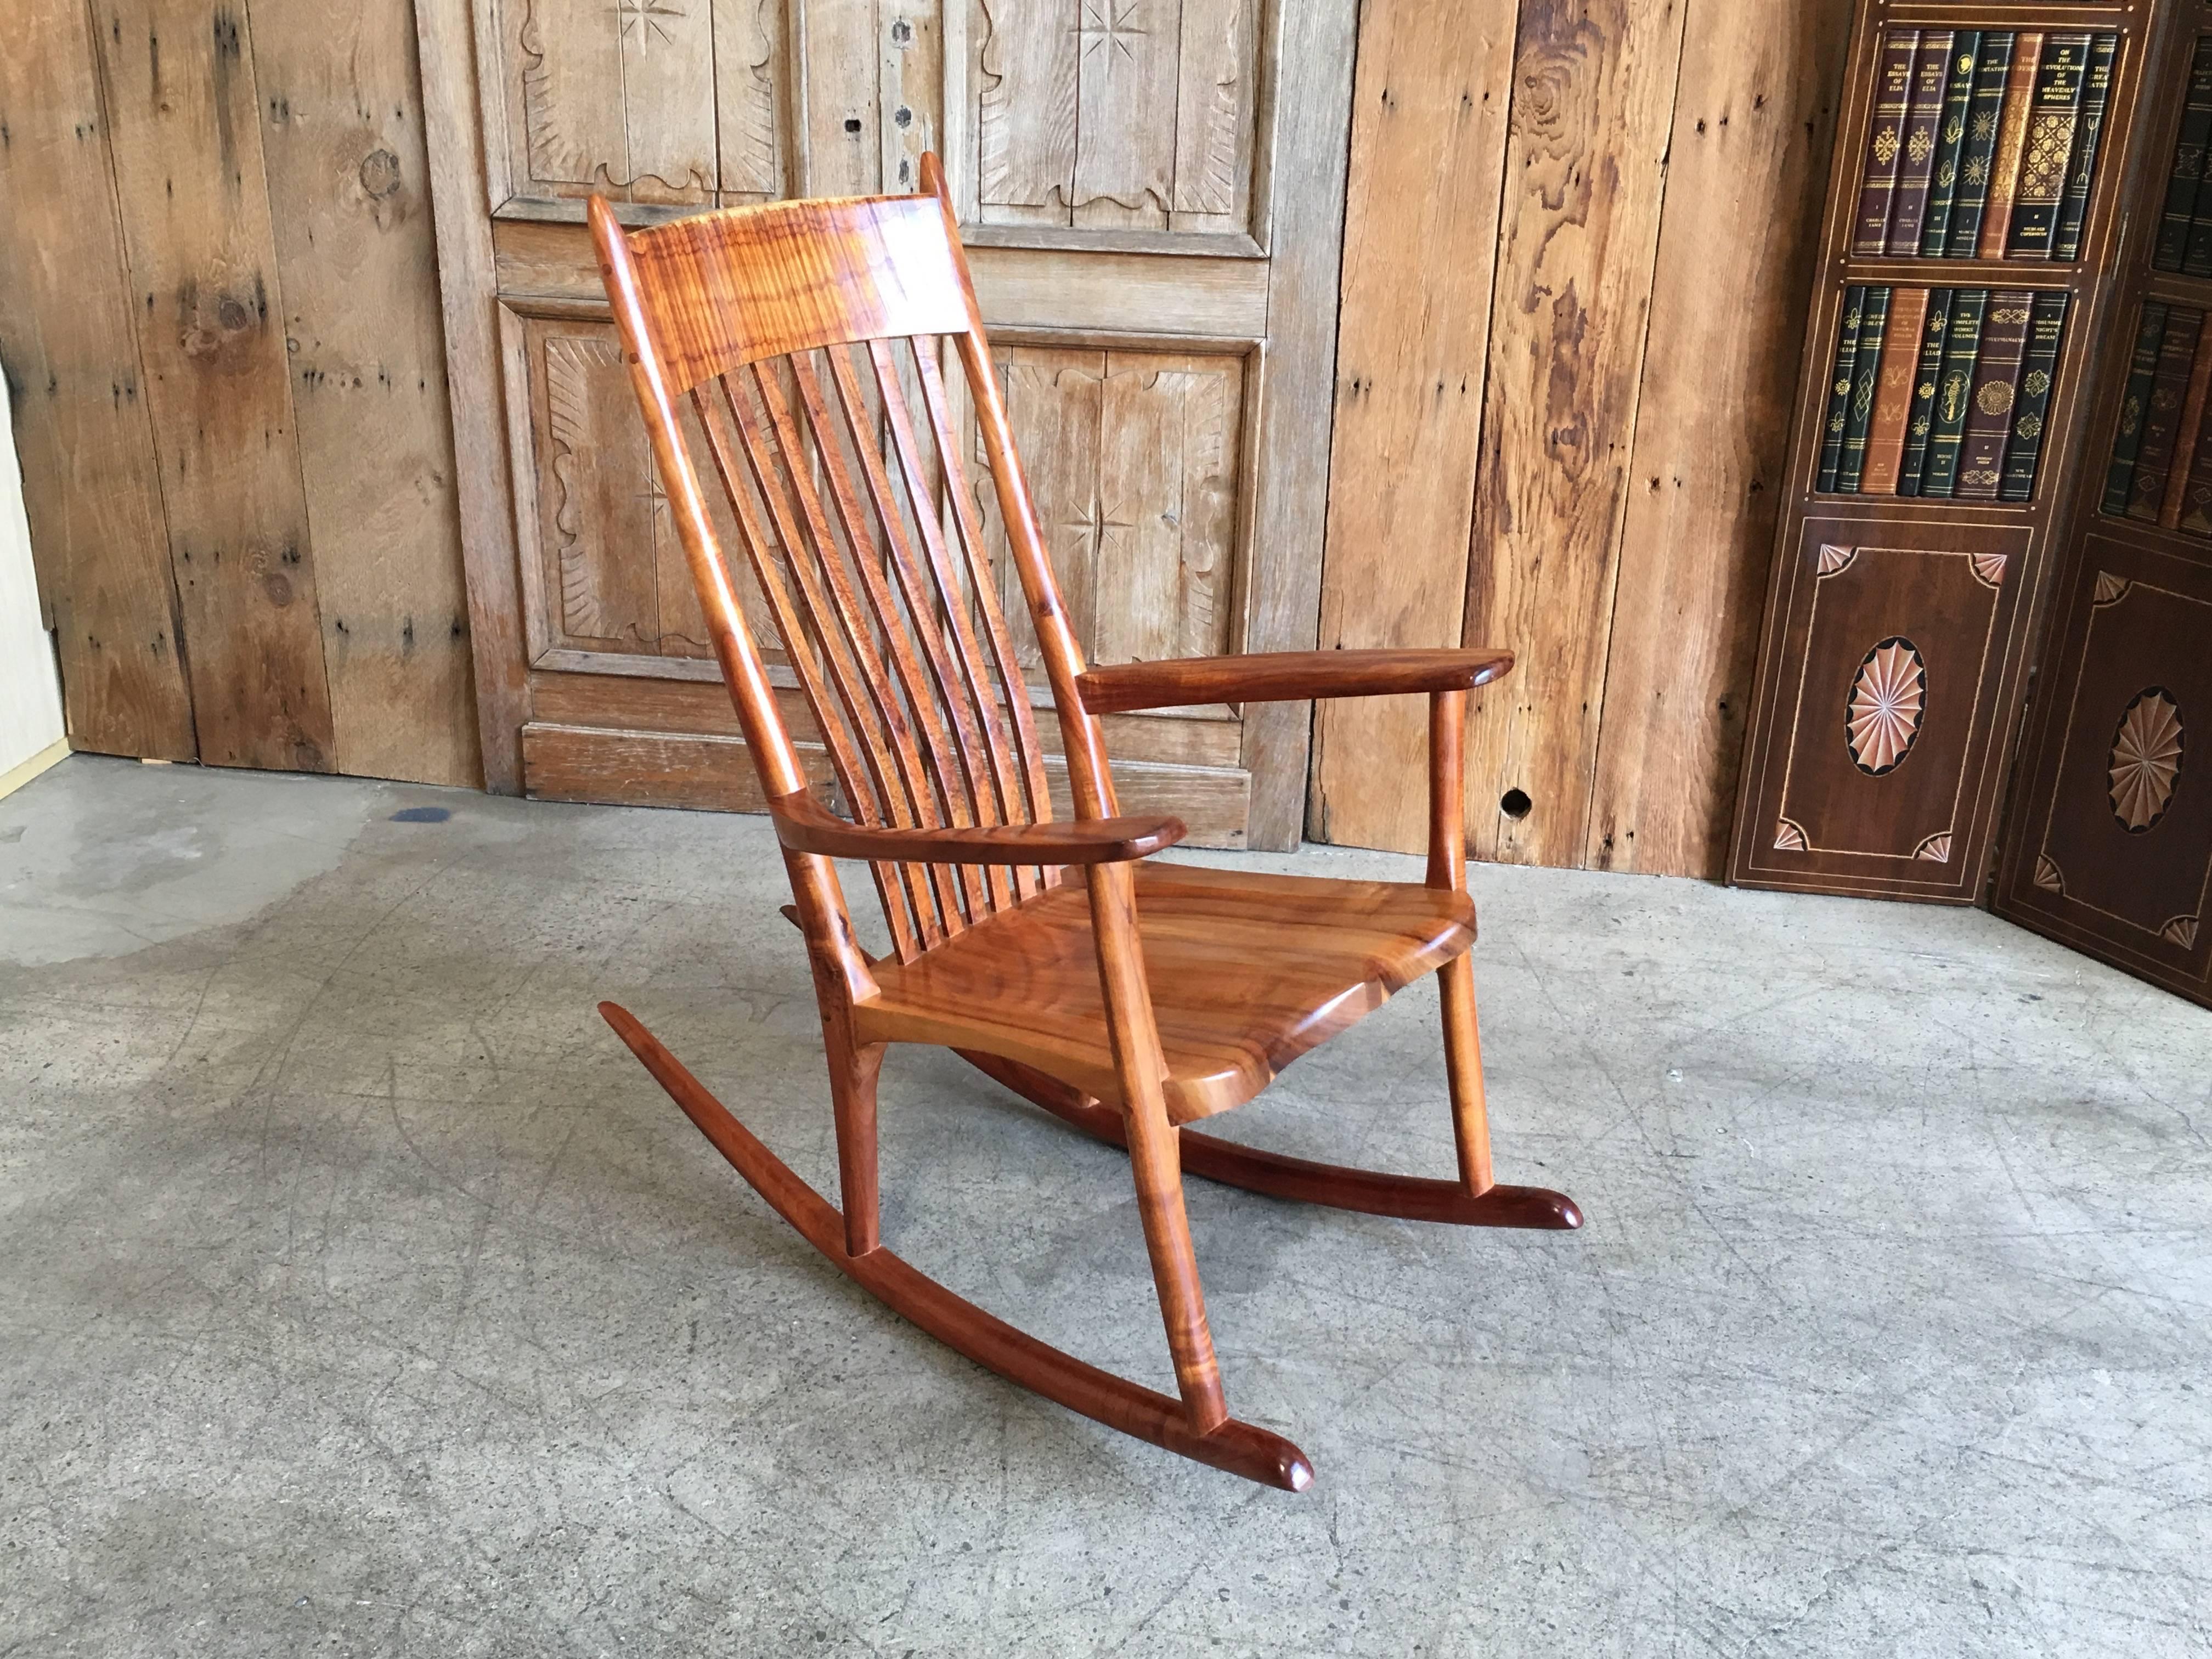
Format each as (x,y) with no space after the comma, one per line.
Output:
(1286,677)
(805,825)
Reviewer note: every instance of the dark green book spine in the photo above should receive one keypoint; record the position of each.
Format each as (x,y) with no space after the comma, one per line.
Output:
(1874,321)
(2187,171)
(1950,144)
(1954,391)
(2046,330)
(2053,116)
(2081,171)
(1921,423)
(1985,115)
(1839,391)
(2127,442)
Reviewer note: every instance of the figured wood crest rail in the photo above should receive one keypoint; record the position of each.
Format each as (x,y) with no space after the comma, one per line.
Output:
(810,340)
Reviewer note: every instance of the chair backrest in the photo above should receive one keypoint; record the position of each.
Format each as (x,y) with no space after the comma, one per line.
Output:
(803,335)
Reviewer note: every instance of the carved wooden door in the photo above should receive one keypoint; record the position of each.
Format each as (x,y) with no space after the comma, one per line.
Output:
(1151,195)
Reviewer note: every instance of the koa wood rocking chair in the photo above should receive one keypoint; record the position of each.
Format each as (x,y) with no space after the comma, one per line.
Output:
(805,338)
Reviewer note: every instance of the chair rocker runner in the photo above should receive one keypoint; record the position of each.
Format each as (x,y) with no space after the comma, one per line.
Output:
(790,353)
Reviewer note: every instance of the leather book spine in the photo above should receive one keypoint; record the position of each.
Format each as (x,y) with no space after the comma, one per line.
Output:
(2046,333)
(1893,396)
(1954,391)
(1996,389)
(2187,170)
(1885,146)
(2135,403)
(2049,150)
(1922,420)
(2185,432)
(1839,391)
(2196,499)
(2089,135)
(1992,72)
(1950,142)
(1873,321)
(2169,389)
(1915,170)
(2012,143)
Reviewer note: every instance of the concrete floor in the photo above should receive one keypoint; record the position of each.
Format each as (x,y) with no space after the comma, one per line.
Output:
(359,1294)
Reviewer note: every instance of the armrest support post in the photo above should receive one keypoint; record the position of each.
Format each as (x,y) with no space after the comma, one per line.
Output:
(1447,790)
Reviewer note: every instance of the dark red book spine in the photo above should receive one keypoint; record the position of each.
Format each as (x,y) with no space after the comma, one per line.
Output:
(1916,168)
(1885,143)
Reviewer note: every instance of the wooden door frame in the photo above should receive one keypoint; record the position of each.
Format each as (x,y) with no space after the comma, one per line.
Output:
(1305,175)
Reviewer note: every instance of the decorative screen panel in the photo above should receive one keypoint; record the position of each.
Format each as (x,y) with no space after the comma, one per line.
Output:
(1135,460)
(1101,114)
(671,101)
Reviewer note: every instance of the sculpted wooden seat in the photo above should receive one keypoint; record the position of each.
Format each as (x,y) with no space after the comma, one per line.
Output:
(787,359)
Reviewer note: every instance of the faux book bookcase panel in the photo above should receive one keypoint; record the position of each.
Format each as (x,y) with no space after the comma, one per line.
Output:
(1942,392)
(1894,633)
(1983,144)
(2114,849)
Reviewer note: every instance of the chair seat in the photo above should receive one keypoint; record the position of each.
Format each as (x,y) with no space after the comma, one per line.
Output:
(1248,971)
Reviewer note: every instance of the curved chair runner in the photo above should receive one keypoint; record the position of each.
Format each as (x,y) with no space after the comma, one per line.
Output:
(790,353)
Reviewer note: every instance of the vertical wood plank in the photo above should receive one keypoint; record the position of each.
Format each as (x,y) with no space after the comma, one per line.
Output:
(178,81)
(91,486)
(910,42)
(454,139)
(843,153)
(349,190)
(748,39)
(1593,105)
(1753,126)
(1428,148)
(1283,607)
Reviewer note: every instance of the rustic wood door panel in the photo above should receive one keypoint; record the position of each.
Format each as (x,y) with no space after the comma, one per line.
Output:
(2111,840)
(1894,636)
(1123,169)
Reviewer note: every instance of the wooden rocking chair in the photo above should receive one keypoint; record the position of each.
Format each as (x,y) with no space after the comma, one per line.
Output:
(802,334)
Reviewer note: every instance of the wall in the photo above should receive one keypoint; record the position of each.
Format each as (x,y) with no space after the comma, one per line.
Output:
(30,696)
(1576,275)
(219,323)
(1576,263)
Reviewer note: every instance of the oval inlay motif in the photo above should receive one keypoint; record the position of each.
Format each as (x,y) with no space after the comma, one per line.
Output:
(1888,700)
(2146,759)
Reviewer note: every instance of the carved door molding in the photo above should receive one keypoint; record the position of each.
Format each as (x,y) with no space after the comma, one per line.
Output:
(1151,191)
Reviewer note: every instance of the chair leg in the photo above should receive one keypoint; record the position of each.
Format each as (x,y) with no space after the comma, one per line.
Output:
(1463,1069)
(852,1076)
(1155,1161)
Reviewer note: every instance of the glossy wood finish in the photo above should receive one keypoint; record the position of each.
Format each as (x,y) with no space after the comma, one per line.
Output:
(1286,677)
(813,341)
(1248,972)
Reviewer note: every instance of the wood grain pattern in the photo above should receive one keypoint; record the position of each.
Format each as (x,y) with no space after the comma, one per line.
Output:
(1287,677)
(1754,124)
(459,185)
(1428,148)
(1282,606)
(1594,92)
(68,345)
(1026,985)
(349,188)
(178,80)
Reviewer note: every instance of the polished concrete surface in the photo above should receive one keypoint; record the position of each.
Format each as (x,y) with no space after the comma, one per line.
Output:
(360,1294)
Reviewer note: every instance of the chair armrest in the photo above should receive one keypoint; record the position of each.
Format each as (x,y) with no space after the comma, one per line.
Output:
(1286,677)
(805,825)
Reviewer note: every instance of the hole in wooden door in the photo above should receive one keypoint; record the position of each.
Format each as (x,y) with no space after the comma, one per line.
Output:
(1514,803)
